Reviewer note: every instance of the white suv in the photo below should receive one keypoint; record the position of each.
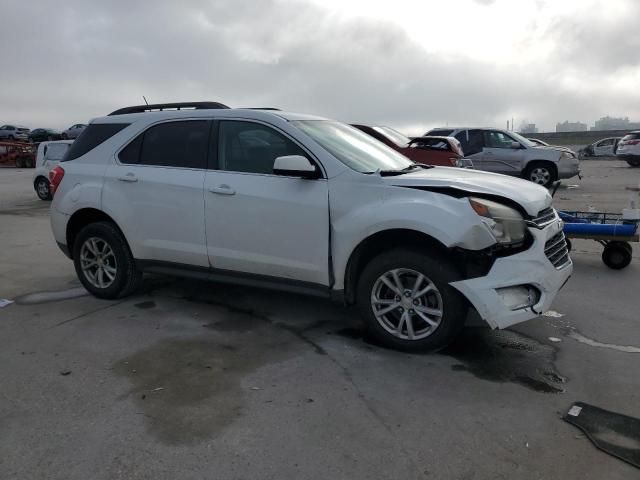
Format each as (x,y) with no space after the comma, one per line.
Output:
(629,149)
(301,203)
(48,156)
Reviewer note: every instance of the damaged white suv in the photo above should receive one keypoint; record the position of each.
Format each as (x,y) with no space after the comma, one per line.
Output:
(301,203)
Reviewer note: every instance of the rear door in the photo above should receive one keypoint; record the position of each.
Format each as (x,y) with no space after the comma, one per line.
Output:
(260,223)
(154,190)
(472,143)
(499,156)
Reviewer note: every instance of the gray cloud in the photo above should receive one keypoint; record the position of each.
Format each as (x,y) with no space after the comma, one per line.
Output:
(87,58)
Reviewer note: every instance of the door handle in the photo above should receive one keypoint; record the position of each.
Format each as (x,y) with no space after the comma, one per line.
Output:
(223,189)
(129,177)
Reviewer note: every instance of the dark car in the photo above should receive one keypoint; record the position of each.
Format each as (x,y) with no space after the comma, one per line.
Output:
(444,151)
(44,135)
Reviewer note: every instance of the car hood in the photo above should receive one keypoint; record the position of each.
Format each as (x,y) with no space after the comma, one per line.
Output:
(531,197)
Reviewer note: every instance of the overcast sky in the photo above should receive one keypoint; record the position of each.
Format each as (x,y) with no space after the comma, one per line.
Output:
(408,64)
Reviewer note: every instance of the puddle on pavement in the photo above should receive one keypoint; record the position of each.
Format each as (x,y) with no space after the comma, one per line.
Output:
(506,356)
(145,305)
(498,356)
(46,297)
(190,389)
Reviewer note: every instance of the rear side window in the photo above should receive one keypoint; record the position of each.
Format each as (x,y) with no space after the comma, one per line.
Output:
(56,151)
(91,137)
(172,144)
(631,136)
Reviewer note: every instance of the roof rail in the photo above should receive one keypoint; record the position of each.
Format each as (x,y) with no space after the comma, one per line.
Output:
(262,108)
(169,106)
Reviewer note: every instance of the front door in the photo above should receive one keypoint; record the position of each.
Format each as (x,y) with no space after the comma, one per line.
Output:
(472,143)
(500,156)
(260,223)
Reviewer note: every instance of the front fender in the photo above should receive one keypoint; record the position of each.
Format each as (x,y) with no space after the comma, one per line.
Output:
(450,221)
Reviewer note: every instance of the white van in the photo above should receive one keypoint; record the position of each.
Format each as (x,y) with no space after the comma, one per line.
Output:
(48,156)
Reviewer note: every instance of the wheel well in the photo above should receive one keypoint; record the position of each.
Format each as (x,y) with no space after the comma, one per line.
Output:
(80,219)
(533,163)
(35,180)
(379,242)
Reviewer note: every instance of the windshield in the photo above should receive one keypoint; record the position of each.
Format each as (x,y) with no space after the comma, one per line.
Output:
(393,135)
(355,149)
(524,141)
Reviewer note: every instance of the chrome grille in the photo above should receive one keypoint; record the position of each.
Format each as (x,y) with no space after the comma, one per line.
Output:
(556,250)
(544,217)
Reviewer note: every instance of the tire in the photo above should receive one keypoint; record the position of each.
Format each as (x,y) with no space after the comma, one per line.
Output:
(617,255)
(12,138)
(42,188)
(19,162)
(408,265)
(121,278)
(49,138)
(28,163)
(542,173)
(64,136)
(634,163)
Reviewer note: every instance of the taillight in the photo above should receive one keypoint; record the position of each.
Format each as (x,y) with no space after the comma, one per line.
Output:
(632,142)
(55,177)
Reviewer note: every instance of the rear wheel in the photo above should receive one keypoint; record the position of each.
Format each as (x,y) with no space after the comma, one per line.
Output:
(407,303)
(542,173)
(617,255)
(28,162)
(103,262)
(20,162)
(634,162)
(42,188)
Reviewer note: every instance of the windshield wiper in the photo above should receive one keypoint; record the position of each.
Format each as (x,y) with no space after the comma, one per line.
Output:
(410,168)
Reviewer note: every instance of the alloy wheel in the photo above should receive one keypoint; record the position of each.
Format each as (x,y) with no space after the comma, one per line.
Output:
(540,175)
(98,262)
(407,304)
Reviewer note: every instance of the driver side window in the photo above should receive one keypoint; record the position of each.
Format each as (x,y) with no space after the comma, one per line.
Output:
(495,139)
(251,147)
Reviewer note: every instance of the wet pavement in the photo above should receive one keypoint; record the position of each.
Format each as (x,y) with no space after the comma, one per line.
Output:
(189,379)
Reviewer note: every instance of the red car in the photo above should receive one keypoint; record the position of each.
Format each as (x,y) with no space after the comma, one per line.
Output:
(444,151)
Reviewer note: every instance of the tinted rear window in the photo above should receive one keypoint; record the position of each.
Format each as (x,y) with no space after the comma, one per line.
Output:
(91,137)
(439,133)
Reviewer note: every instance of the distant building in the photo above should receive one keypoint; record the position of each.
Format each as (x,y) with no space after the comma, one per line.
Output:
(528,128)
(567,126)
(613,123)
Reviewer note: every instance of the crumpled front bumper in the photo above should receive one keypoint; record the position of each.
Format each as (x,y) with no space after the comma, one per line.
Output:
(531,268)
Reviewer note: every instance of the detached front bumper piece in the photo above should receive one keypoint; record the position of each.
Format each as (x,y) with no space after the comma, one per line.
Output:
(521,286)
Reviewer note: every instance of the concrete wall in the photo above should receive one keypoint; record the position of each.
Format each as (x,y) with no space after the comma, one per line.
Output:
(577,138)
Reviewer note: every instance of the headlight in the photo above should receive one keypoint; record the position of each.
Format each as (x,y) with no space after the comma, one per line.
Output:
(567,155)
(506,224)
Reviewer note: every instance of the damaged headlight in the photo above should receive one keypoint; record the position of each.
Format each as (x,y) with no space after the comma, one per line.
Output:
(506,223)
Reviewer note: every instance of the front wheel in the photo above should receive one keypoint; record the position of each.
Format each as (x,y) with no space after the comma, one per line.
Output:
(103,262)
(407,303)
(42,188)
(542,173)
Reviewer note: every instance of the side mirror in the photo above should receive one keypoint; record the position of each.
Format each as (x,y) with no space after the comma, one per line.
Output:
(515,145)
(295,166)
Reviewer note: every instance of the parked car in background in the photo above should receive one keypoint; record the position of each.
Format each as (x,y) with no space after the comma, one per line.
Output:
(629,149)
(20,155)
(602,148)
(413,246)
(48,156)
(44,134)
(444,151)
(14,132)
(500,151)
(73,131)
